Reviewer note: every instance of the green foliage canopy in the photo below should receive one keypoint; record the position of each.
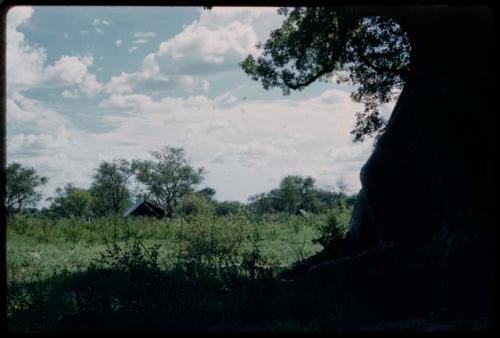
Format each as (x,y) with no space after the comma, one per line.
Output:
(208,192)
(168,177)
(195,204)
(109,189)
(297,192)
(315,43)
(294,193)
(71,202)
(21,187)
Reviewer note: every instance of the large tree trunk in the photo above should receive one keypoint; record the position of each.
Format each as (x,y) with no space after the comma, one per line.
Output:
(427,183)
(431,170)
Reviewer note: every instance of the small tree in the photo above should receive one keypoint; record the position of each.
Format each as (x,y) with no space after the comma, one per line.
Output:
(71,202)
(341,189)
(109,190)
(291,193)
(263,203)
(332,232)
(168,177)
(208,192)
(294,193)
(298,192)
(194,204)
(21,187)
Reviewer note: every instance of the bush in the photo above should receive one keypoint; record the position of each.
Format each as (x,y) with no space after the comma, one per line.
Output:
(195,204)
(227,207)
(134,257)
(333,230)
(214,240)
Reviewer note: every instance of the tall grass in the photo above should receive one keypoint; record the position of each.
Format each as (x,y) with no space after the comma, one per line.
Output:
(37,246)
(170,271)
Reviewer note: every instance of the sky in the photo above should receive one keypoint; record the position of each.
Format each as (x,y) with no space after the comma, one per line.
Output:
(89,84)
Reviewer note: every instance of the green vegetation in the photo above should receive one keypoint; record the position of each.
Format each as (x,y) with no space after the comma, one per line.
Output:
(57,267)
(168,177)
(207,272)
(206,258)
(215,265)
(71,202)
(21,187)
(39,246)
(109,190)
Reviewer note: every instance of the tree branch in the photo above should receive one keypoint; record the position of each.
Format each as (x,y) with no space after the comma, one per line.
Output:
(307,82)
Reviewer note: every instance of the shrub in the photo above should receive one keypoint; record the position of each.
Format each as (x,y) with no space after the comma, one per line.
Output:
(195,204)
(131,257)
(227,207)
(214,240)
(333,230)
(18,223)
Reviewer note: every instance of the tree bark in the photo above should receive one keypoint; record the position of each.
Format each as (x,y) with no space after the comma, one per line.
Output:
(432,168)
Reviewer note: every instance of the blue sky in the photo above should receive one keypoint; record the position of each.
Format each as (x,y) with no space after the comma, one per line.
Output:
(86,84)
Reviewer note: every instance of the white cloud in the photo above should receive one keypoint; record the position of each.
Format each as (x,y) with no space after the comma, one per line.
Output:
(120,84)
(192,83)
(70,94)
(245,153)
(84,32)
(16,112)
(150,77)
(24,111)
(250,150)
(24,61)
(246,145)
(262,19)
(232,13)
(67,70)
(40,141)
(39,133)
(149,67)
(18,15)
(134,102)
(132,49)
(118,42)
(98,23)
(143,104)
(198,42)
(213,44)
(140,41)
(144,35)
(90,86)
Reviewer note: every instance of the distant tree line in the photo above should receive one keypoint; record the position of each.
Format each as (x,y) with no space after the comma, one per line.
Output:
(298,194)
(169,181)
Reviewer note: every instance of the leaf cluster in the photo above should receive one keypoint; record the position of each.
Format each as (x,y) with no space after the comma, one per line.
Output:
(316,43)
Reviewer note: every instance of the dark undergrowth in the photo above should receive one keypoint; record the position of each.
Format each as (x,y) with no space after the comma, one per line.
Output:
(126,289)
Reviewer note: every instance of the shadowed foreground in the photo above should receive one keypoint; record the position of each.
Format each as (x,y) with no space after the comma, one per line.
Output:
(383,289)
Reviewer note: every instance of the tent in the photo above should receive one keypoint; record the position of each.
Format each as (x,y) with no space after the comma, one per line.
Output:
(144,208)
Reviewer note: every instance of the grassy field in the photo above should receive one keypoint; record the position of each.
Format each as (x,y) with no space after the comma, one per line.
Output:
(209,273)
(38,248)
(214,263)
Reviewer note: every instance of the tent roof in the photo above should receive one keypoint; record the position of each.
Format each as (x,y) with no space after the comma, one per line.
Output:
(150,205)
